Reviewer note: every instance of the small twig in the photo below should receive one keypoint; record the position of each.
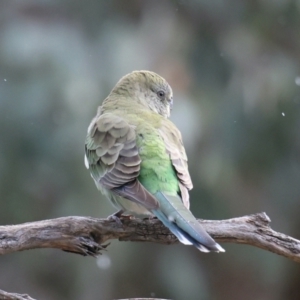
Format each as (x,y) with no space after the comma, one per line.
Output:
(13,296)
(86,235)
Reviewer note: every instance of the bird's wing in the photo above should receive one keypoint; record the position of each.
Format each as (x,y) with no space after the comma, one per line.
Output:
(112,156)
(174,146)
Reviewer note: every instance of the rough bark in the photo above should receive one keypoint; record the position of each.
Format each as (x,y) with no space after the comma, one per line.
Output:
(87,236)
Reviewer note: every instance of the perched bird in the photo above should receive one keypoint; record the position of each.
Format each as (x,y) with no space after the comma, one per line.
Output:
(137,159)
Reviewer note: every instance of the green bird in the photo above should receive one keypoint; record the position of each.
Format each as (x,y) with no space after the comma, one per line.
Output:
(137,159)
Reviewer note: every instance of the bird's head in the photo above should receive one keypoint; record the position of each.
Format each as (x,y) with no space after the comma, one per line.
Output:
(149,89)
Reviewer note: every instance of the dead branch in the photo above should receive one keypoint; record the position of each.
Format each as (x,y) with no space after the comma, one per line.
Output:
(13,296)
(87,236)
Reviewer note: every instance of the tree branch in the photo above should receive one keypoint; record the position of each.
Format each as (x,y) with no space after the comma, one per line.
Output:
(13,296)
(86,235)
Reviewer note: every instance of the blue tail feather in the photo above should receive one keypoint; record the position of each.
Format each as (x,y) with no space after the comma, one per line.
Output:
(174,215)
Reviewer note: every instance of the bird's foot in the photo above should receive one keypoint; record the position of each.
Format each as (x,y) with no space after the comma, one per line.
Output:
(116,217)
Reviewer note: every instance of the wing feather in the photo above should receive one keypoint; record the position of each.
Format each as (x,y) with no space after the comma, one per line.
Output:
(174,146)
(113,158)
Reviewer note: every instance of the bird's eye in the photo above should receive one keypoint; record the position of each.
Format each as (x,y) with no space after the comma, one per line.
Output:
(161,94)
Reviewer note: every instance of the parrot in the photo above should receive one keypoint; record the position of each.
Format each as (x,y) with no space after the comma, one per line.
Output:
(136,157)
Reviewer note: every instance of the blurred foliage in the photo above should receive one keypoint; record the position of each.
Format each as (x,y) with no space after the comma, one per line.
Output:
(235,70)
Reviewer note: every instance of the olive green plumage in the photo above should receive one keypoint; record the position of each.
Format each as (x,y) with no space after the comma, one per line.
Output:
(136,156)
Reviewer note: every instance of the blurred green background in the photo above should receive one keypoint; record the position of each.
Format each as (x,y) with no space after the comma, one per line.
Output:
(235,70)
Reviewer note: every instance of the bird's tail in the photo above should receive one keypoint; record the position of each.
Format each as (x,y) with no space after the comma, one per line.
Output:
(183,224)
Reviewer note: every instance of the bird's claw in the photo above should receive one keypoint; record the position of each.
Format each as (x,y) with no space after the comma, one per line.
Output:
(117,217)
